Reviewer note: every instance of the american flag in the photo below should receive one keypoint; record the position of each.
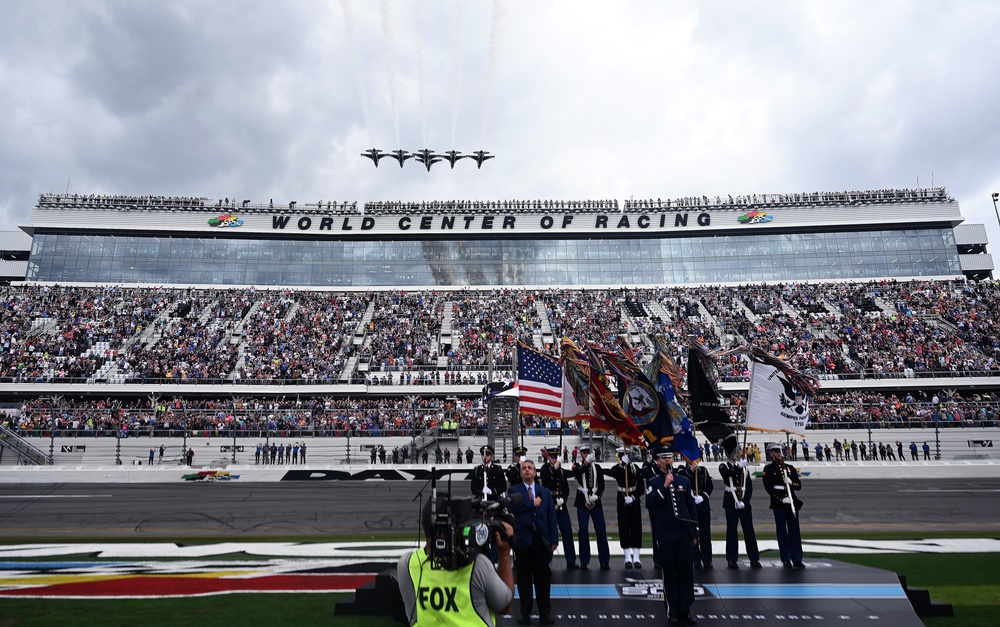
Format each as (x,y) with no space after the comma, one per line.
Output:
(539,379)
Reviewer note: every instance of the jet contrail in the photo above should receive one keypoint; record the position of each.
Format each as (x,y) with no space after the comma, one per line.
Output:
(496,30)
(457,71)
(386,11)
(420,71)
(356,61)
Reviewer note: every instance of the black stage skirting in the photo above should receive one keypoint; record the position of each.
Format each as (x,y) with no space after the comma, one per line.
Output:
(826,592)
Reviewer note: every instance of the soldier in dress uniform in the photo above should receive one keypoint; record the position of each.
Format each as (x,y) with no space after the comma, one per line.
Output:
(701,484)
(675,531)
(488,480)
(648,471)
(590,487)
(554,477)
(630,488)
(513,471)
(736,504)
(781,481)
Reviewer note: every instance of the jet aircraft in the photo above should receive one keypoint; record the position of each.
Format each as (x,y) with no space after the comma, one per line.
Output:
(451,156)
(427,157)
(479,156)
(400,156)
(374,155)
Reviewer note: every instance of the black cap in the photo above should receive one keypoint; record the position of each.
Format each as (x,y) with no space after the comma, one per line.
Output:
(486,449)
(520,451)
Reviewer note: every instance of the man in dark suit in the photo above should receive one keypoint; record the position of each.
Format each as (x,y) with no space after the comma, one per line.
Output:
(535,538)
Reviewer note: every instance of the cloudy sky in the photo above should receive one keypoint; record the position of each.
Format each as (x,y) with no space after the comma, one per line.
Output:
(576,99)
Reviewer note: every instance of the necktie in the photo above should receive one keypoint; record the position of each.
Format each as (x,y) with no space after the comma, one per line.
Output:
(531,492)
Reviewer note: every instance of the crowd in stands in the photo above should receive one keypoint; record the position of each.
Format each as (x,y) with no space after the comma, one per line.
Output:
(742,202)
(374,417)
(187,203)
(920,329)
(490,206)
(121,202)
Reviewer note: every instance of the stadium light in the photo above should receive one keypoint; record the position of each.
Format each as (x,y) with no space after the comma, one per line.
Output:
(996,197)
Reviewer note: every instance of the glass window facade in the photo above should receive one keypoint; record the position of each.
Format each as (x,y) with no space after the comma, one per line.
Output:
(567,262)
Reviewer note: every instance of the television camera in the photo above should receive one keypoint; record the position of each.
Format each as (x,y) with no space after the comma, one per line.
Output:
(463,527)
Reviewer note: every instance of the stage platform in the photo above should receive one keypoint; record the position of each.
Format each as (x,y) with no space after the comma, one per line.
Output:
(826,592)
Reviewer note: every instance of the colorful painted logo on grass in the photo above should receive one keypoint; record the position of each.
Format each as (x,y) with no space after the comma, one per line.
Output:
(150,580)
(225,220)
(210,475)
(754,217)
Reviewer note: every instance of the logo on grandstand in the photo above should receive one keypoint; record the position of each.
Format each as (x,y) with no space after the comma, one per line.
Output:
(225,220)
(210,476)
(754,217)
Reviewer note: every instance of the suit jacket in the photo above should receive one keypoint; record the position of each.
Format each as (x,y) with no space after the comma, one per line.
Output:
(528,519)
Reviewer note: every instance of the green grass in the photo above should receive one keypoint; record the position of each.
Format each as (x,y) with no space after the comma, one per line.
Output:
(970,582)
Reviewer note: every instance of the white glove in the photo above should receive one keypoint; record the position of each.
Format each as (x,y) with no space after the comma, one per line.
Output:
(487,491)
(629,500)
(740,504)
(786,500)
(699,499)
(743,463)
(560,501)
(625,458)
(592,498)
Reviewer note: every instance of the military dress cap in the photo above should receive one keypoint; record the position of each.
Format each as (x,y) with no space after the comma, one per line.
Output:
(486,449)
(774,446)
(662,451)
(520,451)
(584,448)
(553,451)
(620,450)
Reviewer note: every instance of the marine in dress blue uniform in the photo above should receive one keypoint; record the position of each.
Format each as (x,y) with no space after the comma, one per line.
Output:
(675,531)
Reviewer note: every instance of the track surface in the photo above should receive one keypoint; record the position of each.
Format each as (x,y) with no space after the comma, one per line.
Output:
(330,508)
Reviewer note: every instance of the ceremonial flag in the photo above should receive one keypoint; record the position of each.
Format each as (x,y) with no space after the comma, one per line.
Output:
(707,411)
(539,379)
(774,403)
(584,374)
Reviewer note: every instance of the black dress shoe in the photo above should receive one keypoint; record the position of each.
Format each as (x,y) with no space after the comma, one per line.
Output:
(636,564)
(547,620)
(798,565)
(673,620)
(583,567)
(786,564)
(733,565)
(572,567)
(523,620)
(708,565)
(628,565)
(687,619)
(605,566)
(755,565)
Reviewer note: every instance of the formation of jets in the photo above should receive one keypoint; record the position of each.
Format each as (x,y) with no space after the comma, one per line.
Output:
(428,157)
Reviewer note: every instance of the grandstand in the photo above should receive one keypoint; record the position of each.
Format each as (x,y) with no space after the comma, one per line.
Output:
(173,316)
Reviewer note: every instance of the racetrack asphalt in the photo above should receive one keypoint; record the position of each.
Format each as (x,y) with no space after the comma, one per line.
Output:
(383,509)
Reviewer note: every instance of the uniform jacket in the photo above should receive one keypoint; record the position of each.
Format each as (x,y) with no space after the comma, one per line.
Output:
(493,478)
(555,480)
(704,483)
(590,480)
(774,484)
(733,476)
(674,507)
(629,480)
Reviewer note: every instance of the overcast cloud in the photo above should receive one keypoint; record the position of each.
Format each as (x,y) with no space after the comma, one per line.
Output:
(576,99)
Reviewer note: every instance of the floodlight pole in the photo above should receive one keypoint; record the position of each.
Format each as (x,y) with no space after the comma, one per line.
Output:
(996,197)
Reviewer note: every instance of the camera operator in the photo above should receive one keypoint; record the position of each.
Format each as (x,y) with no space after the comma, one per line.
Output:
(468,595)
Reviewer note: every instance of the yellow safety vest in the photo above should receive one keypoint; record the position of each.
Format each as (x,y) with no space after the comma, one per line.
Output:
(443,597)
